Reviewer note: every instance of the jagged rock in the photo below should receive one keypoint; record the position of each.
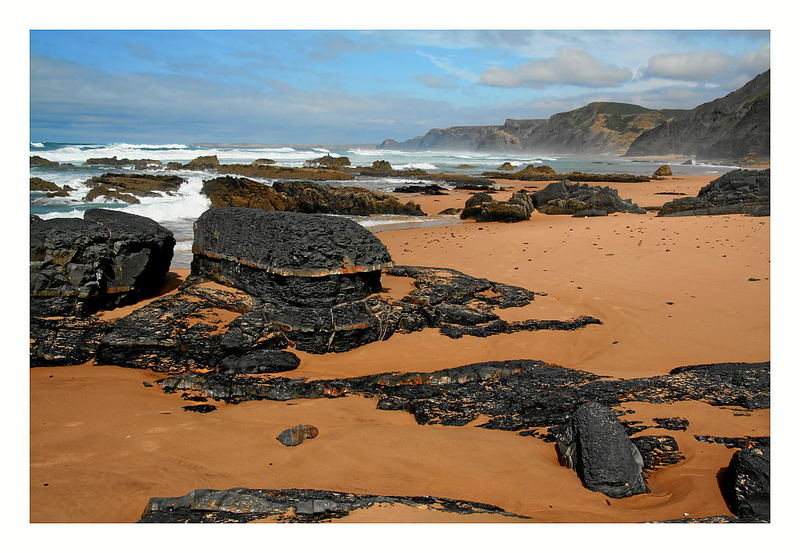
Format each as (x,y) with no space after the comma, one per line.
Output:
(305,197)
(41,185)
(663,171)
(594,444)
(430,190)
(506,167)
(296,435)
(672,423)
(137,164)
(260,361)
(739,442)
(483,208)
(382,165)
(739,191)
(329,162)
(291,259)
(127,188)
(202,163)
(245,505)
(39,161)
(109,258)
(566,198)
(746,483)
(658,451)
(64,340)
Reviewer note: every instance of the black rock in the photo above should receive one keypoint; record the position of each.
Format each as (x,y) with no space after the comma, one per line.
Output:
(672,423)
(595,445)
(739,191)
(261,361)
(746,482)
(581,200)
(199,408)
(109,258)
(658,451)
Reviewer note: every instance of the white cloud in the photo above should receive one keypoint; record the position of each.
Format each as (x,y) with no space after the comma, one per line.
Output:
(445,65)
(573,66)
(707,65)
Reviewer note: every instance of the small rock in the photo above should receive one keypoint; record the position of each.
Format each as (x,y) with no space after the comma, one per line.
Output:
(296,435)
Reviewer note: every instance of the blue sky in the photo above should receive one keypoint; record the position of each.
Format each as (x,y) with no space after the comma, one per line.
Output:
(359,87)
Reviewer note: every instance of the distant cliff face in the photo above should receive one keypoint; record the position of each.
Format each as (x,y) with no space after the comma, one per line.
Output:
(726,128)
(600,127)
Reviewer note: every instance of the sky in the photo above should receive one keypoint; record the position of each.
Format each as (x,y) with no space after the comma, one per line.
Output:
(360,87)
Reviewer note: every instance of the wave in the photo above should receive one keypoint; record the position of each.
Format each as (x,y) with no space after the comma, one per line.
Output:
(426,166)
(36,145)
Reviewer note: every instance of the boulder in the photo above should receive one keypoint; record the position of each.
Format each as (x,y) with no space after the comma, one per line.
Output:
(288,258)
(382,165)
(428,190)
(128,188)
(296,435)
(108,258)
(595,445)
(260,361)
(663,171)
(483,208)
(740,191)
(329,162)
(746,482)
(202,163)
(566,198)
(536,170)
(39,161)
(506,167)
(41,185)
(263,161)
(450,211)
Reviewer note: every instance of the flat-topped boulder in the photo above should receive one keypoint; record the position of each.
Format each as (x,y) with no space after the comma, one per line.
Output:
(106,259)
(288,258)
(129,188)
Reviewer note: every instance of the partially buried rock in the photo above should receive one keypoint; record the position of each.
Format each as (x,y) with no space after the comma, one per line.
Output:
(746,483)
(663,171)
(296,435)
(261,361)
(109,258)
(595,445)
(289,258)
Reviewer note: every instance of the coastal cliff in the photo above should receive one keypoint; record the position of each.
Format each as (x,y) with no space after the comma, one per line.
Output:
(731,127)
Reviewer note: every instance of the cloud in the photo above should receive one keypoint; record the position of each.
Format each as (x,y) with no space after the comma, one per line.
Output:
(446,65)
(707,65)
(436,81)
(573,66)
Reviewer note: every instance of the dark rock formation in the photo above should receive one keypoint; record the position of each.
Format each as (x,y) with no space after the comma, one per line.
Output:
(663,171)
(594,444)
(306,197)
(746,482)
(329,162)
(672,423)
(202,163)
(581,200)
(740,191)
(506,166)
(483,208)
(736,443)
(245,505)
(451,211)
(51,188)
(291,259)
(64,340)
(263,161)
(296,435)
(541,173)
(382,165)
(658,451)
(278,172)
(727,128)
(107,259)
(260,361)
(128,188)
(39,161)
(137,164)
(428,190)
(174,165)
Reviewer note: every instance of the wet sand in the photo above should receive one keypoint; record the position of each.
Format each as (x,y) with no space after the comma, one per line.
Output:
(671,292)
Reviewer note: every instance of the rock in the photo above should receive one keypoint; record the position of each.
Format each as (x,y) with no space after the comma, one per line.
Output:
(64,340)
(202,163)
(740,191)
(109,258)
(292,505)
(465,166)
(261,361)
(305,197)
(506,167)
(382,165)
(581,200)
(128,188)
(541,173)
(296,435)
(329,162)
(199,408)
(137,164)
(174,165)
(536,170)
(39,161)
(483,208)
(450,211)
(658,451)
(595,445)
(278,172)
(746,483)
(429,190)
(288,258)
(663,171)
(672,423)
(263,161)
(41,185)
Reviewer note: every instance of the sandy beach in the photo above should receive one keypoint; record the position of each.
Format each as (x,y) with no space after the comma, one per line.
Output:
(670,292)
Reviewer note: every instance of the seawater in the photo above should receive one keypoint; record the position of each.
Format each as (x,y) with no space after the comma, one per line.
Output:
(179,211)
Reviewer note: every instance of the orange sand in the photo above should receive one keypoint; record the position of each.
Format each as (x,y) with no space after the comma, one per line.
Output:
(104,443)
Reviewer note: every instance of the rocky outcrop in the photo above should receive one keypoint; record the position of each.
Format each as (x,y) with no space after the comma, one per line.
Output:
(57,341)
(663,171)
(506,166)
(304,197)
(128,188)
(746,483)
(39,161)
(52,189)
(428,189)
(203,163)
(594,444)
(108,258)
(288,258)
(263,161)
(597,128)
(296,435)
(483,208)
(277,172)
(581,200)
(329,162)
(728,128)
(246,505)
(137,164)
(545,173)
(740,191)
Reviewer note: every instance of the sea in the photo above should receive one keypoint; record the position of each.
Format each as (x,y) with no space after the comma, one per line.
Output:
(178,212)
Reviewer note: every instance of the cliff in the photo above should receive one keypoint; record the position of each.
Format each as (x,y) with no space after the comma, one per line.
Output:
(731,127)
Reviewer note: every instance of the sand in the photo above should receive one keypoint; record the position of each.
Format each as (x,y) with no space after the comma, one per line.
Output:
(670,291)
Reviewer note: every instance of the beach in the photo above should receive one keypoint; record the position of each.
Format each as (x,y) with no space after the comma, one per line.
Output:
(670,291)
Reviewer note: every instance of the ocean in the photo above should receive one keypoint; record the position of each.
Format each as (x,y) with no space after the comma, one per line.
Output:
(179,211)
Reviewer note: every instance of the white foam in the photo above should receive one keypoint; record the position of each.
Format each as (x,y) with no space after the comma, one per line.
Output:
(36,145)
(427,166)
